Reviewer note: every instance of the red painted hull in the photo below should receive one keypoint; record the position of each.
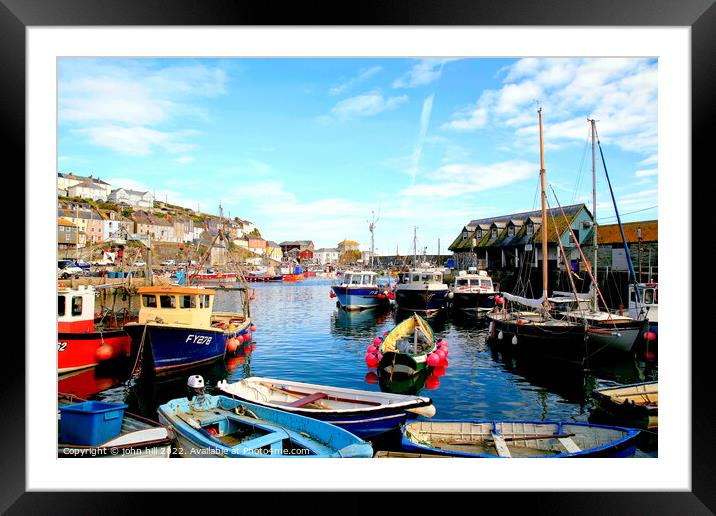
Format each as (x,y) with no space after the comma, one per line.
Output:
(78,350)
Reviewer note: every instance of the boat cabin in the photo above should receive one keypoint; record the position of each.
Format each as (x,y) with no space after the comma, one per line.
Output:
(176,305)
(359,278)
(648,294)
(420,276)
(75,309)
(474,280)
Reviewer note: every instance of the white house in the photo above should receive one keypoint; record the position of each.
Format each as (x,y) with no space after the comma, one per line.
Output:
(88,190)
(326,255)
(132,198)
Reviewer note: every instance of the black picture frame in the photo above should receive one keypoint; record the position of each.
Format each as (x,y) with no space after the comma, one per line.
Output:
(700,15)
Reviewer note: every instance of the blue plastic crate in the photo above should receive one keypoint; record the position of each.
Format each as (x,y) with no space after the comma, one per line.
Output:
(91,422)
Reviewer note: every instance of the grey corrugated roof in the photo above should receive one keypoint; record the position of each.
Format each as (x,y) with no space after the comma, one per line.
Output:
(526,214)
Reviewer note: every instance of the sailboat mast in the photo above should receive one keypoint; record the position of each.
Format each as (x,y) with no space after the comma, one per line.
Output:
(543,181)
(415,246)
(594,207)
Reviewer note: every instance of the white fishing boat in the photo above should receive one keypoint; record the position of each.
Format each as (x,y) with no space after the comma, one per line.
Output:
(472,292)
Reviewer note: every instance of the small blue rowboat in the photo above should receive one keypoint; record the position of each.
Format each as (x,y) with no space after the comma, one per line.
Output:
(363,413)
(520,439)
(218,426)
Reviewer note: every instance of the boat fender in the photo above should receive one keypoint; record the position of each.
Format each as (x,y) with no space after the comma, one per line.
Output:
(427,411)
(371,360)
(514,340)
(450,295)
(433,360)
(500,335)
(104,352)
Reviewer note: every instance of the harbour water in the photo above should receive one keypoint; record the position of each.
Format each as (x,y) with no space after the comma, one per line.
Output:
(301,335)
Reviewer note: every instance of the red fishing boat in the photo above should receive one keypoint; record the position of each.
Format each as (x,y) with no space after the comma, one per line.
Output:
(80,342)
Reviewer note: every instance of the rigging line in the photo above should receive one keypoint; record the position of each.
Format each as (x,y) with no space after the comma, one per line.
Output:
(630,212)
(580,175)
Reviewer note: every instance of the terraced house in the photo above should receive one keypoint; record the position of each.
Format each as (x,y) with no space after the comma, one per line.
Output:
(515,240)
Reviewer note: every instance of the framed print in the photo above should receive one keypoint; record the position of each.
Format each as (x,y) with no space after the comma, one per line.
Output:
(282,215)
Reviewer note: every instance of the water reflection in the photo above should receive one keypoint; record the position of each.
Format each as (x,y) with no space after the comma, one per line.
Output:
(302,336)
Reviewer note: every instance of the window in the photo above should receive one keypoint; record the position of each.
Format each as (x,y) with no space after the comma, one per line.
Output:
(356,279)
(464,235)
(463,282)
(438,277)
(60,305)
(149,301)
(511,231)
(427,277)
(204,301)
(77,305)
(486,283)
(530,229)
(188,302)
(649,296)
(416,277)
(478,233)
(366,279)
(494,232)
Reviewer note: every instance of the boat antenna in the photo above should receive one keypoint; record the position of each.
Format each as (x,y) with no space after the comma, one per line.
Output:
(371,227)
(415,246)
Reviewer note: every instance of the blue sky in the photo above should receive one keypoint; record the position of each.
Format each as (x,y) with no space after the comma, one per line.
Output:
(308,148)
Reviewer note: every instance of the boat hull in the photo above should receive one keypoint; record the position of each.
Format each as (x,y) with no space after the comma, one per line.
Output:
(620,442)
(620,338)
(172,348)
(632,405)
(473,302)
(77,351)
(359,298)
(402,364)
(426,302)
(558,341)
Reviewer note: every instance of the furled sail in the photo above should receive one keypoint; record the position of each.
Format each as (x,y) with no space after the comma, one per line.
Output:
(536,303)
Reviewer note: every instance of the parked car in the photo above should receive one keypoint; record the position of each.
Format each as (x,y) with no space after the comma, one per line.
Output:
(67,269)
(168,263)
(139,264)
(82,264)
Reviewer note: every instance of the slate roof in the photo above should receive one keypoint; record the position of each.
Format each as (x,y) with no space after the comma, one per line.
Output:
(520,237)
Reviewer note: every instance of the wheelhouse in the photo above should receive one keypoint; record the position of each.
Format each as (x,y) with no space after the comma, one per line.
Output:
(359,278)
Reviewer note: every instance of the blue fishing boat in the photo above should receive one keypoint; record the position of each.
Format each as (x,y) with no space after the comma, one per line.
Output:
(358,290)
(363,413)
(519,439)
(177,328)
(219,426)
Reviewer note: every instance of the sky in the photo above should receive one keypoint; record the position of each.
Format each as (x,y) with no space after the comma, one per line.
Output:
(313,149)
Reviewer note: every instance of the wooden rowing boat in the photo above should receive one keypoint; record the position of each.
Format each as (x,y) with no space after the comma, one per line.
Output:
(517,439)
(637,402)
(219,426)
(363,413)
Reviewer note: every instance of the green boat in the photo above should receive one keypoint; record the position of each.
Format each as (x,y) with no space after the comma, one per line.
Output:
(406,348)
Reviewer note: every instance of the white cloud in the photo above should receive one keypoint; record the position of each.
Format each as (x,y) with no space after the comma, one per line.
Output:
(121,105)
(650,172)
(456,180)
(362,76)
(620,93)
(184,160)
(136,141)
(424,122)
(424,72)
(368,104)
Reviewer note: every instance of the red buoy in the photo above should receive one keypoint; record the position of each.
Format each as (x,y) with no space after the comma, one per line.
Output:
(439,371)
(232,344)
(649,336)
(333,294)
(104,352)
(433,360)
(371,360)
(372,349)
(252,327)
(377,341)
(498,300)
(247,337)
(441,354)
